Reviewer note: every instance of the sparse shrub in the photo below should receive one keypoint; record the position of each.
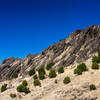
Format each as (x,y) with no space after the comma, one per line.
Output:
(35,77)
(56,81)
(22,88)
(96,59)
(41,73)
(37,82)
(61,70)
(77,71)
(24,83)
(15,75)
(4,88)
(66,80)
(52,74)
(31,72)
(12,95)
(9,76)
(49,66)
(82,67)
(98,53)
(92,87)
(41,70)
(41,76)
(95,65)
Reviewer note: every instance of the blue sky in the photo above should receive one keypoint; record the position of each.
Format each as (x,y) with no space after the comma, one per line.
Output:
(29,26)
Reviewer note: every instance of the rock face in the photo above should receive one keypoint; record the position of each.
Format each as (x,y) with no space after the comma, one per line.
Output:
(78,47)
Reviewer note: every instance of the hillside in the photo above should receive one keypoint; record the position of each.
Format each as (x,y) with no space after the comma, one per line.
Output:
(79,47)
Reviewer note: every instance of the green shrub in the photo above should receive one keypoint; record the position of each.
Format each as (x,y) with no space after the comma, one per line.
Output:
(52,74)
(24,83)
(61,70)
(4,88)
(82,67)
(35,77)
(22,88)
(31,72)
(77,71)
(96,59)
(49,66)
(15,75)
(66,80)
(98,53)
(9,76)
(12,95)
(41,70)
(56,81)
(95,65)
(41,76)
(92,87)
(37,82)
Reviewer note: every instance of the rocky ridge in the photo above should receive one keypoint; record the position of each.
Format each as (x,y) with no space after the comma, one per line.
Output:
(78,47)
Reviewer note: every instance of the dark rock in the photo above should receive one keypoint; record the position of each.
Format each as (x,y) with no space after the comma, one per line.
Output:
(70,60)
(9,60)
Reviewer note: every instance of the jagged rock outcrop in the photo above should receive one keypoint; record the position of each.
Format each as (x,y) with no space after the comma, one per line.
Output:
(79,46)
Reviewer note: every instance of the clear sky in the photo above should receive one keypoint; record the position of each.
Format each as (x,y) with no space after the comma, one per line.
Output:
(29,26)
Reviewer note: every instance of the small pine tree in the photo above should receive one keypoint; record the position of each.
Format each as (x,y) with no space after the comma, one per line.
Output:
(92,87)
(66,80)
(41,70)
(82,67)
(49,66)
(24,83)
(56,81)
(77,71)
(31,72)
(4,88)
(15,75)
(96,59)
(61,70)
(95,65)
(35,77)
(41,76)
(12,95)
(22,88)
(37,82)
(98,53)
(52,74)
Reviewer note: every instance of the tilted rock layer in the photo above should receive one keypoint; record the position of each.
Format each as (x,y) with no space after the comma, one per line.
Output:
(78,47)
